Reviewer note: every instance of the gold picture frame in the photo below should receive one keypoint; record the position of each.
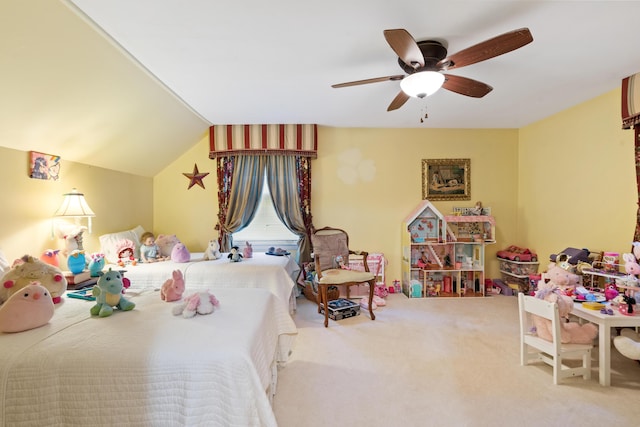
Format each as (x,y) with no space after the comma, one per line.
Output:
(446,179)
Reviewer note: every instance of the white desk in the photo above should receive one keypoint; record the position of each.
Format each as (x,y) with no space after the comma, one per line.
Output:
(605,322)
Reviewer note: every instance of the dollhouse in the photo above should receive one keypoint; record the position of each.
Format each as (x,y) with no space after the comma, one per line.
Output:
(444,255)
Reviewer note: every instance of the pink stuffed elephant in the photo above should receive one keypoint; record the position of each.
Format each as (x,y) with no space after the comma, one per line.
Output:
(173,288)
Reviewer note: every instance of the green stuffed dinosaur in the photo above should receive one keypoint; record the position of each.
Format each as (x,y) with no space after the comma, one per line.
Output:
(108,294)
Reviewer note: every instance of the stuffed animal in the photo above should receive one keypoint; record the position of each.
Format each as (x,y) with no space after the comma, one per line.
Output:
(631,266)
(180,253)
(76,262)
(213,250)
(563,275)
(108,294)
(173,288)
(29,269)
(125,249)
(200,303)
(50,256)
(235,255)
(248,250)
(628,343)
(96,264)
(552,291)
(166,242)
(30,308)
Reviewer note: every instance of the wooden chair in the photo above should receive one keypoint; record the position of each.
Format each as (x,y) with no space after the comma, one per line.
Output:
(545,351)
(328,245)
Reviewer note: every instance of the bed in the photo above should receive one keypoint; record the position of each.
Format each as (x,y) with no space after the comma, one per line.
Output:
(147,366)
(274,273)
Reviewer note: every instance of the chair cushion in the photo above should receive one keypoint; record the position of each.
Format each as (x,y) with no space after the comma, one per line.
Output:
(336,276)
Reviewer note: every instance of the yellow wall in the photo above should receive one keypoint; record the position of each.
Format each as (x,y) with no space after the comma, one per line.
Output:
(568,180)
(577,180)
(121,201)
(372,208)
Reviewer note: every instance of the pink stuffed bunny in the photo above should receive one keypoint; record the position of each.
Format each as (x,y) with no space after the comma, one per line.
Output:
(631,266)
(173,288)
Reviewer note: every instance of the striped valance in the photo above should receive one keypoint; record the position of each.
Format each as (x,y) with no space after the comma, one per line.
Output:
(631,101)
(299,140)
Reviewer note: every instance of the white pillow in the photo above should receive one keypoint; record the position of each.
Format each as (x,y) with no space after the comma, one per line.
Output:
(109,242)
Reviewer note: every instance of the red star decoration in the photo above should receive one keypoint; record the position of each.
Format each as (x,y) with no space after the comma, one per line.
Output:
(195,177)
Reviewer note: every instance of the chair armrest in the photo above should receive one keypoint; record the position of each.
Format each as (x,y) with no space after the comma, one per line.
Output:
(364,255)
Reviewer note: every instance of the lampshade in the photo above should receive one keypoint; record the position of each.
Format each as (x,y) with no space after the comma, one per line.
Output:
(74,205)
(422,83)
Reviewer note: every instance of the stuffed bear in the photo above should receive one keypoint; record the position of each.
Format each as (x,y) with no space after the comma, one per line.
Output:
(200,303)
(166,242)
(28,309)
(29,269)
(628,343)
(108,294)
(552,291)
(180,253)
(213,250)
(173,288)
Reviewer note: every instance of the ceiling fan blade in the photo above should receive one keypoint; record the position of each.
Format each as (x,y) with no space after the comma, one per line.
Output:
(488,49)
(404,45)
(466,86)
(367,81)
(398,101)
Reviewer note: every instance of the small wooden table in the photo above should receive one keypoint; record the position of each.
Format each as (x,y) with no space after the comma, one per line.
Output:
(605,322)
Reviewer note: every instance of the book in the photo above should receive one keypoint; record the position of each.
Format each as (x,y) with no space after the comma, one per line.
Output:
(85,294)
(74,279)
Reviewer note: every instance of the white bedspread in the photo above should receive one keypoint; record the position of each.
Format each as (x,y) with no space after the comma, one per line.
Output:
(147,366)
(275,273)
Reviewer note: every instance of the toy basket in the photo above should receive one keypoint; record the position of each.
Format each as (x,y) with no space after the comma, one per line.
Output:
(311,293)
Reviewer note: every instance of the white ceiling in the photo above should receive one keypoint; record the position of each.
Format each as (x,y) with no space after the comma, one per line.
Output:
(132,85)
(257,61)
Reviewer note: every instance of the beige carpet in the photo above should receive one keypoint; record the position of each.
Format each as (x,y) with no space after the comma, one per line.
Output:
(438,362)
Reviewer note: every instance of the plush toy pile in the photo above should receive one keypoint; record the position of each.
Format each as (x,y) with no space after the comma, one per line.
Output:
(555,290)
(29,269)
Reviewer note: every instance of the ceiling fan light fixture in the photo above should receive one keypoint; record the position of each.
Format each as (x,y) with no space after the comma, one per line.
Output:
(422,83)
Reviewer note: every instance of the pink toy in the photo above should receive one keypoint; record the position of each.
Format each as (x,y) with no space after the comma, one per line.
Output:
(173,288)
(611,292)
(50,256)
(180,253)
(30,308)
(631,266)
(248,251)
(166,242)
(200,303)
(552,291)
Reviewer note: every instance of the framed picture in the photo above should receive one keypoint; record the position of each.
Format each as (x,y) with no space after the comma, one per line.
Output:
(44,166)
(446,179)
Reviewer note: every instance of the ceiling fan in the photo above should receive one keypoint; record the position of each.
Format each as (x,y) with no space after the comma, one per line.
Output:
(425,61)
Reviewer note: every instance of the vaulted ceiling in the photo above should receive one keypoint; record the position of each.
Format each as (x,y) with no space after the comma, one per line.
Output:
(130,85)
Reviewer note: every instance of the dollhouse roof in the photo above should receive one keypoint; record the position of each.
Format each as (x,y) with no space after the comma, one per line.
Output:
(420,209)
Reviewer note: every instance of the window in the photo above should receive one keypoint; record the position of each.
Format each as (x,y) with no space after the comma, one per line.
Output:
(266,227)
